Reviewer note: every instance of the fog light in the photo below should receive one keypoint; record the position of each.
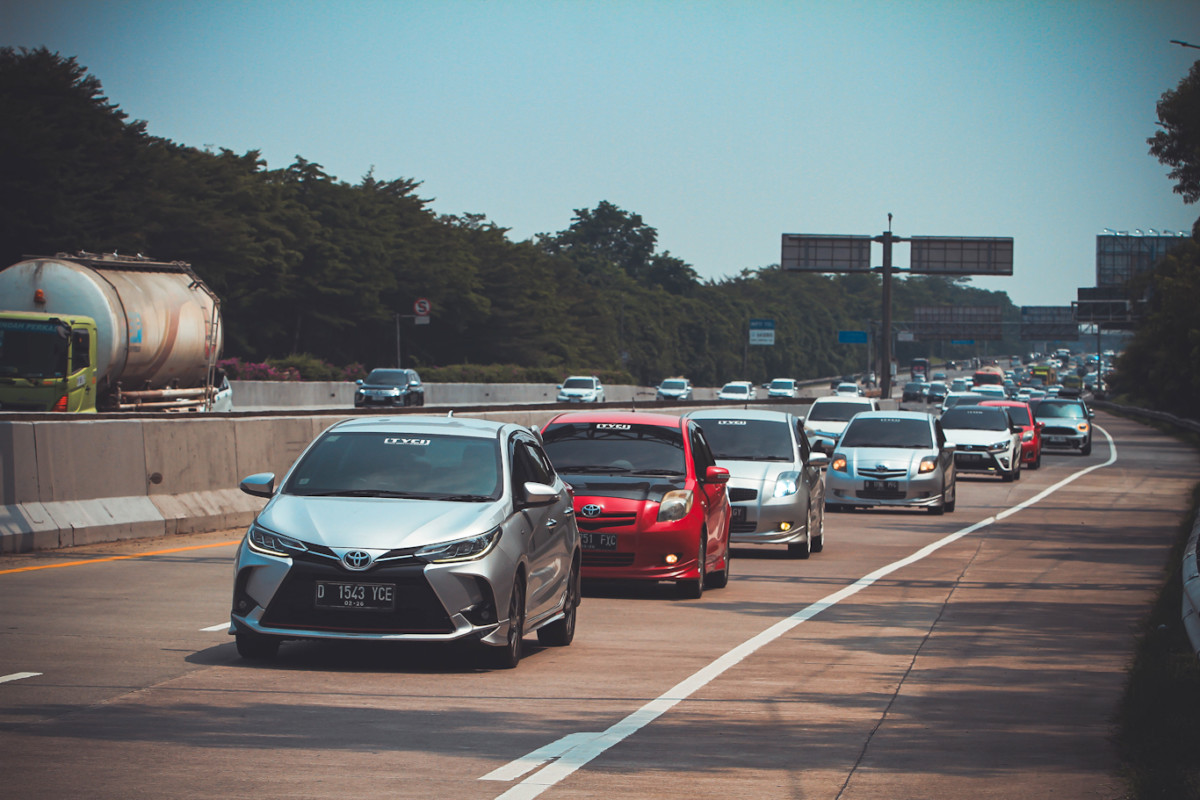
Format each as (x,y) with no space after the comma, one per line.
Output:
(672,558)
(785,526)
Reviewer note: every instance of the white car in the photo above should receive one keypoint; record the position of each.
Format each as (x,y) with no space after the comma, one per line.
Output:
(738,390)
(988,442)
(847,390)
(783,387)
(827,418)
(581,389)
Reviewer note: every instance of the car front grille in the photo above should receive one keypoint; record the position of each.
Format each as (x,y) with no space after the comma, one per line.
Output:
(417,610)
(743,527)
(605,521)
(742,495)
(1061,430)
(882,473)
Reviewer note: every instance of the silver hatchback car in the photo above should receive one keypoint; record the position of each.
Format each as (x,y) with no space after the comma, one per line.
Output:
(776,482)
(411,528)
(893,458)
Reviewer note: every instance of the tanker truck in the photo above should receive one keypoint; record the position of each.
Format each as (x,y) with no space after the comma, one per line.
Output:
(91,332)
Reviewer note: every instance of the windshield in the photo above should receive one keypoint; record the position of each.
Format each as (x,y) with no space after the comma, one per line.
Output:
(735,388)
(387,377)
(33,349)
(674,385)
(1049,409)
(975,418)
(614,447)
(888,432)
(782,384)
(749,439)
(578,383)
(835,412)
(398,464)
(1019,415)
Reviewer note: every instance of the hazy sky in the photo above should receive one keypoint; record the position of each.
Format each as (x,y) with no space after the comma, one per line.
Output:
(724,124)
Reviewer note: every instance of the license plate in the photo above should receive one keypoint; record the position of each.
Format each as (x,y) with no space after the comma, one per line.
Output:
(368,596)
(881,486)
(739,513)
(969,458)
(1055,439)
(598,541)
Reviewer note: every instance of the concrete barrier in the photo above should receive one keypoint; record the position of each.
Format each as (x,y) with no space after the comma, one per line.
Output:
(68,481)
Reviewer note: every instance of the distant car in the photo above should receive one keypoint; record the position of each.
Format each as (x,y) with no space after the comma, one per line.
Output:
(738,390)
(411,528)
(1019,413)
(222,399)
(939,376)
(959,385)
(783,387)
(581,389)
(776,482)
(988,442)
(991,391)
(848,390)
(1068,424)
(650,499)
(936,392)
(390,387)
(914,391)
(674,389)
(965,399)
(892,459)
(827,418)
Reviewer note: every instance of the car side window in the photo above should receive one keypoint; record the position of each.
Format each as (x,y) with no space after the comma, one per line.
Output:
(802,438)
(702,456)
(529,465)
(939,436)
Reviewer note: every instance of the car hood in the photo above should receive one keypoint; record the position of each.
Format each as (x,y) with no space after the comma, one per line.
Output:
(961,436)
(887,457)
(756,472)
(827,426)
(623,486)
(377,523)
(673,392)
(383,386)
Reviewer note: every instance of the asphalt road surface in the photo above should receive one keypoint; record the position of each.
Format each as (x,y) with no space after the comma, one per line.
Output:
(980,654)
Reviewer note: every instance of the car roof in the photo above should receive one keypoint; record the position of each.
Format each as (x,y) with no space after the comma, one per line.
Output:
(627,417)
(741,413)
(1004,403)
(921,415)
(829,398)
(421,423)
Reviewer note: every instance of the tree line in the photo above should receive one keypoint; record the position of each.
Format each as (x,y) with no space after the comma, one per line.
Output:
(305,263)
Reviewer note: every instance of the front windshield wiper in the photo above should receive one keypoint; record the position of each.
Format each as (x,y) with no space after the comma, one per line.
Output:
(466,498)
(666,472)
(748,457)
(371,493)
(582,470)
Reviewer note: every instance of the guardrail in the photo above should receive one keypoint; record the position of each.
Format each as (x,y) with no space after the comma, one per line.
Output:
(1191,569)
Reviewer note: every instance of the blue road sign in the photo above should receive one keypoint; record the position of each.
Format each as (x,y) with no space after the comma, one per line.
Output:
(852,337)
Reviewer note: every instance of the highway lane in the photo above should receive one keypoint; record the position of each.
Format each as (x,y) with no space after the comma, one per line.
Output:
(990,667)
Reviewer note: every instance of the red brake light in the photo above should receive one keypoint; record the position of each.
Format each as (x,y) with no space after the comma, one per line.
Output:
(61,405)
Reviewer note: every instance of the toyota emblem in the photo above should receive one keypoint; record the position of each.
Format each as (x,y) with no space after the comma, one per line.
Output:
(591,510)
(357,560)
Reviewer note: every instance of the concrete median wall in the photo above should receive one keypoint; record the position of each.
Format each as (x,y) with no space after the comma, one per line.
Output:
(82,480)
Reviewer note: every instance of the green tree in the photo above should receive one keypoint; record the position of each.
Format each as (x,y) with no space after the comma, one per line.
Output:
(1178,143)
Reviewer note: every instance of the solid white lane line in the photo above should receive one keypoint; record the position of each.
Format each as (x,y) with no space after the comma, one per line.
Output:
(18,676)
(224,626)
(593,745)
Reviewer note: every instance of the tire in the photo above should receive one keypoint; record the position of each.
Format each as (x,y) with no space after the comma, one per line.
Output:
(1017,471)
(1009,476)
(562,632)
(940,508)
(256,647)
(803,548)
(694,589)
(1037,462)
(818,541)
(1087,449)
(509,656)
(719,580)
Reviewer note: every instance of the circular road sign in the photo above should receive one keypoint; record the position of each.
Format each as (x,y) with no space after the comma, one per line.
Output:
(421,307)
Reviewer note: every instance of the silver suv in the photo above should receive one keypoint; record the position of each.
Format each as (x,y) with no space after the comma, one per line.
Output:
(415,528)
(674,389)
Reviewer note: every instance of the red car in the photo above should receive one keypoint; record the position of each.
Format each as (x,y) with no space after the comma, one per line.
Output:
(650,501)
(1031,430)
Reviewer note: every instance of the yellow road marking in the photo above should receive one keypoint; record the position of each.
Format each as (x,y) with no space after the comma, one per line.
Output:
(117,558)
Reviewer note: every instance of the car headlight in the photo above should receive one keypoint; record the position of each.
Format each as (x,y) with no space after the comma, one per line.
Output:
(460,549)
(675,505)
(266,542)
(1027,436)
(1083,427)
(928,464)
(838,464)
(787,484)
(998,447)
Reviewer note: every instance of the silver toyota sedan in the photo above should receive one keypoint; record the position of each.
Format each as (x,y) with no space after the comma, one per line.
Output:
(776,482)
(411,528)
(892,458)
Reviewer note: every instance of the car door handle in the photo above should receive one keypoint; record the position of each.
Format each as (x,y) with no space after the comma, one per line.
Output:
(551,523)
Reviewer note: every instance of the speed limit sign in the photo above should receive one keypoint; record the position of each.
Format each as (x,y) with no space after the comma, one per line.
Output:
(421,307)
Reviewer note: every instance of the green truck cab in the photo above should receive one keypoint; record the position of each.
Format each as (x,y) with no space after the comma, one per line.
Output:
(47,362)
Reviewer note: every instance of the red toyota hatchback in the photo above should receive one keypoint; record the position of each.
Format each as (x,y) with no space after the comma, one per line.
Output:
(1031,430)
(650,500)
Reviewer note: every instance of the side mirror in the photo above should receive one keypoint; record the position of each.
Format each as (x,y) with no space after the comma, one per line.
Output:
(1040,424)
(1091,414)
(261,484)
(538,494)
(716,475)
(359,381)
(818,460)
(949,446)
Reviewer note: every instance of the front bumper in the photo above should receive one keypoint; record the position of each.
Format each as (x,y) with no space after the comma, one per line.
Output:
(849,490)
(982,462)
